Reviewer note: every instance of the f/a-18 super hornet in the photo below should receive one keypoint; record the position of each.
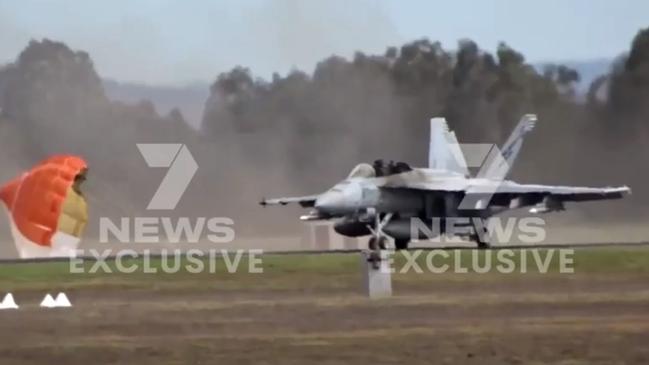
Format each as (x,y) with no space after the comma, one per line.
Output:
(382,199)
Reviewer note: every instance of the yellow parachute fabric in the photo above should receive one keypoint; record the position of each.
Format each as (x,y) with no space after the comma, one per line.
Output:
(74,214)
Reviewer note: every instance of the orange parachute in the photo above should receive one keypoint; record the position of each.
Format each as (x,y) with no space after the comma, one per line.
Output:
(47,211)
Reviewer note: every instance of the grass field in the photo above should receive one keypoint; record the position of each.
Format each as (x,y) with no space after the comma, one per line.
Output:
(309,308)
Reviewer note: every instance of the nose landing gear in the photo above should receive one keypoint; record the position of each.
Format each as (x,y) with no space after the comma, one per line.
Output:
(378,241)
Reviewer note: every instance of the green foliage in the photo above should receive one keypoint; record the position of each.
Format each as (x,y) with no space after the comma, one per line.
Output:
(629,89)
(291,271)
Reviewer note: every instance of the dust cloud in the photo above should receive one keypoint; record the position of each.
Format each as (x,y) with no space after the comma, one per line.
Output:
(299,133)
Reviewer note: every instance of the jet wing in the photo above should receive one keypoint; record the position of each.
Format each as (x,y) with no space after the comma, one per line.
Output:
(304,201)
(546,197)
(502,192)
(562,193)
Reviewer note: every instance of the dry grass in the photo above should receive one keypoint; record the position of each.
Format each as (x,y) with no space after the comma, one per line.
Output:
(305,310)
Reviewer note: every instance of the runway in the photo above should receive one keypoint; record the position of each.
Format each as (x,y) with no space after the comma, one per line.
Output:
(308,307)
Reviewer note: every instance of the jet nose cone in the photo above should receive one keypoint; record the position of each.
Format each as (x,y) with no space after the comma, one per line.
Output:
(330,202)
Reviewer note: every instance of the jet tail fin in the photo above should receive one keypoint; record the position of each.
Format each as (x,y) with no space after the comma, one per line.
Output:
(512,146)
(444,151)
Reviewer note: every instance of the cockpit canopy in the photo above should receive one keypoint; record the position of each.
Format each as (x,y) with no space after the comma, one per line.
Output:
(362,170)
(379,168)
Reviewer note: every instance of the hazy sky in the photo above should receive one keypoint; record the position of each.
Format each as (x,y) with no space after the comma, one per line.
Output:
(174,41)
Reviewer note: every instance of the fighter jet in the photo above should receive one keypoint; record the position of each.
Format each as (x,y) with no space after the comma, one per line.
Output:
(381,200)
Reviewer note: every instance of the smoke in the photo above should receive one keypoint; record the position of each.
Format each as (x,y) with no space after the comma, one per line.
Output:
(299,133)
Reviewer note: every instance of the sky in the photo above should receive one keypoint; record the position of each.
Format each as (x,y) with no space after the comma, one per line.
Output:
(173,42)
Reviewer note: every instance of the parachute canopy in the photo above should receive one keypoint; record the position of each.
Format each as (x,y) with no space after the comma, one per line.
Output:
(47,211)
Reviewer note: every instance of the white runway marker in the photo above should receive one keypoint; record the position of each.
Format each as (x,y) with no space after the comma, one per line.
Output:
(8,302)
(62,301)
(48,302)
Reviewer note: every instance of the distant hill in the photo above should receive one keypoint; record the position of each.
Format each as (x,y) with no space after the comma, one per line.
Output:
(189,99)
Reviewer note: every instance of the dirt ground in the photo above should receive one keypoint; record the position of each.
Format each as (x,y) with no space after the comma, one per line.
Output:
(582,318)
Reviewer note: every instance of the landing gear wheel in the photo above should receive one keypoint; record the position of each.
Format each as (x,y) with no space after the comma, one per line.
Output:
(483,245)
(372,244)
(481,235)
(376,244)
(378,240)
(383,243)
(401,244)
